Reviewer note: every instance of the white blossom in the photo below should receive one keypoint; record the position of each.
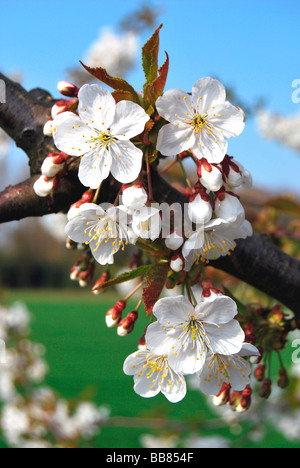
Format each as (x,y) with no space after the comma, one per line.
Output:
(106,232)
(187,334)
(201,122)
(101,136)
(153,374)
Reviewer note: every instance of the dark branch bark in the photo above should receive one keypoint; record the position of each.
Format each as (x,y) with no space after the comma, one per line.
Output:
(256,261)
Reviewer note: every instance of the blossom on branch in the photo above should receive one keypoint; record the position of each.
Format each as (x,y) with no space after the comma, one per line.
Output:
(101,135)
(201,122)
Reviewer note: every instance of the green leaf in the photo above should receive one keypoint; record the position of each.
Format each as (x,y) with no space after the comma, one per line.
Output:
(156,278)
(127,276)
(116,83)
(152,91)
(150,57)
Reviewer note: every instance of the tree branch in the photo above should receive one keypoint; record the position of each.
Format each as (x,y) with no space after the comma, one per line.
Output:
(255,261)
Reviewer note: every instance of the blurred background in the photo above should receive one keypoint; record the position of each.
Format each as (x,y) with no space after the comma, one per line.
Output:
(252,48)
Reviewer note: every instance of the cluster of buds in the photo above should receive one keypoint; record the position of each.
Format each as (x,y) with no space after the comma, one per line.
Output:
(83,270)
(114,318)
(239,401)
(52,170)
(230,174)
(66,89)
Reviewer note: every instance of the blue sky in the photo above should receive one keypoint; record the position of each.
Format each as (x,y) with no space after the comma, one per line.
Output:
(252,46)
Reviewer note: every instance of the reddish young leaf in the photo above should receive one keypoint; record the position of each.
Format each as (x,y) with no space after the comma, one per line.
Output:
(115,83)
(156,278)
(120,95)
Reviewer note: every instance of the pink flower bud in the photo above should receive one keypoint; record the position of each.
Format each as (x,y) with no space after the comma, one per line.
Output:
(266,389)
(86,276)
(67,89)
(245,402)
(259,373)
(114,315)
(283,380)
(97,288)
(223,397)
(127,324)
(63,106)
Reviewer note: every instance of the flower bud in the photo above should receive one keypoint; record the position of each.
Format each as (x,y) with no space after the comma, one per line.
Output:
(210,176)
(134,197)
(283,380)
(44,186)
(259,373)
(223,397)
(86,276)
(48,129)
(245,402)
(74,210)
(200,209)
(177,263)
(63,106)
(99,283)
(127,324)
(266,389)
(54,164)
(70,245)
(142,341)
(74,274)
(174,241)
(114,315)
(67,89)
(235,399)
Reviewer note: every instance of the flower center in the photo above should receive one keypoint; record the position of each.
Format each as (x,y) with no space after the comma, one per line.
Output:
(105,139)
(199,122)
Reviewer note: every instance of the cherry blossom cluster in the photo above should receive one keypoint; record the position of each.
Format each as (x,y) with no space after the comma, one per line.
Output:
(203,339)
(121,138)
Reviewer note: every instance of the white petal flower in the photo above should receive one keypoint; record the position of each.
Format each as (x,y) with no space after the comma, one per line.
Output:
(152,374)
(101,136)
(216,240)
(201,122)
(187,334)
(233,370)
(104,231)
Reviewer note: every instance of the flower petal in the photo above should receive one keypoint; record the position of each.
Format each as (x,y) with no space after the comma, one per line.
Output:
(72,136)
(129,121)
(221,311)
(226,340)
(96,106)
(228,119)
(126,161)
(175,105)
(171,311)
(208,93)
(173,139)
(94,168)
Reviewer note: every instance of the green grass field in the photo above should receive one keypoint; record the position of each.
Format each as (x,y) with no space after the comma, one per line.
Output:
(87,358)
